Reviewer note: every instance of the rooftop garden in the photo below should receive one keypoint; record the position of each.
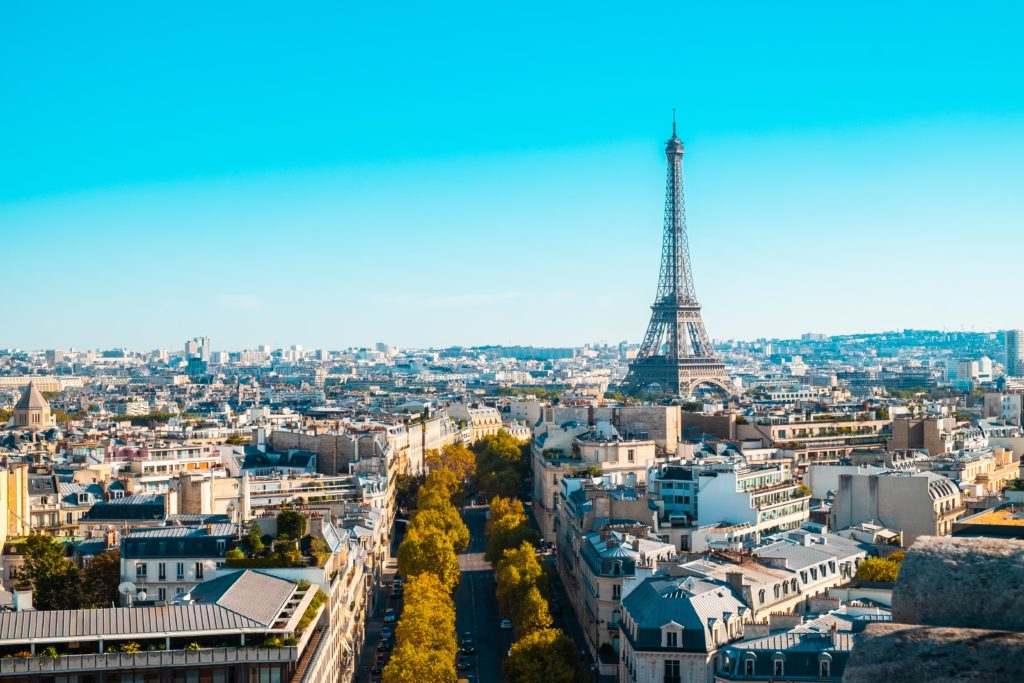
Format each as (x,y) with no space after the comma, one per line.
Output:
(291,547)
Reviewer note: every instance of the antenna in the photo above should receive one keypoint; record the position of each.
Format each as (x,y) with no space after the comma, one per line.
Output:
(673,121)
(127,588)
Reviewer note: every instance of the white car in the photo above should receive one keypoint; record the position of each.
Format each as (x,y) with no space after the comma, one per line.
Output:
(505,625)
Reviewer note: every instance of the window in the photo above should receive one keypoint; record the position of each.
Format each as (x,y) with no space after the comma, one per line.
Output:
(673,672)
(671,639)
(777,590)
(777,666)
(69,518)
(161,594)
(162,571)
(199,570)
(760,596)
(616,591)
(824,669)
(140,570)
(631,455)
(181,571)
(748,666)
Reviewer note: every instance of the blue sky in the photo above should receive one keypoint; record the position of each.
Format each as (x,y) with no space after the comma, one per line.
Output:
(335,174)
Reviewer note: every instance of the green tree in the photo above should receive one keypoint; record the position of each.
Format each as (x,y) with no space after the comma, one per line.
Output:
(291,524)
(54,579)
(253,541)
(516,573)
(101,579)
(508,531)
(544,656)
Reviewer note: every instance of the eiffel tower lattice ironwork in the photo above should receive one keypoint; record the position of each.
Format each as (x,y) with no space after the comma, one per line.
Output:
(676,355)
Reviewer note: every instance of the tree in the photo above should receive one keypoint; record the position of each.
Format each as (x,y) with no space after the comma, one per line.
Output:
(531,613)
(516,573)
(291,524)
(879,569)
(428,616)
(411,664)
(445,520)
(500,464)
(406,488)
(455,458)
(504,506)
(101,579)
(544,656)
(54,579)
(508,531)
(253,540)
(428,551)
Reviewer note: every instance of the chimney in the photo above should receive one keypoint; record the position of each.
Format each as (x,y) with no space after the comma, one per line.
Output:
(735,580)
(111,537)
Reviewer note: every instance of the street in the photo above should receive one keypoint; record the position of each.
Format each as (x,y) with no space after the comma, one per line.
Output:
(476,605)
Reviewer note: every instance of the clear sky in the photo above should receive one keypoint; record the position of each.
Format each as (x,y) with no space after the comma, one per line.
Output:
(339,173)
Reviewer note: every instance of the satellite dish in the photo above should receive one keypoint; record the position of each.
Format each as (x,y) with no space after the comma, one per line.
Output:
(141,596)
(126,588)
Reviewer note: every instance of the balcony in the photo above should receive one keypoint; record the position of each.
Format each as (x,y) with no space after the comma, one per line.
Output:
(146,660)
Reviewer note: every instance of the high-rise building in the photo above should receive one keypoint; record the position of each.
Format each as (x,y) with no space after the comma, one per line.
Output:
(1015,353)
(198,347)
(676,355)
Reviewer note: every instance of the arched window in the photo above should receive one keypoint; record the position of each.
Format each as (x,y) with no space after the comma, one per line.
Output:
(778,665)
(825,665)
(776,591)
(796,588)
(749,660)
(760,596)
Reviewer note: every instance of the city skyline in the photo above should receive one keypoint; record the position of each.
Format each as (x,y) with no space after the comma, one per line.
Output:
(478,192)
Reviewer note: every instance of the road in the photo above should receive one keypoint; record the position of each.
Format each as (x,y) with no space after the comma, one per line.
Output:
(476,605)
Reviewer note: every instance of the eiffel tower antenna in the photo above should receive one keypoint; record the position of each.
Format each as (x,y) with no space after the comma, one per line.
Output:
(676,355)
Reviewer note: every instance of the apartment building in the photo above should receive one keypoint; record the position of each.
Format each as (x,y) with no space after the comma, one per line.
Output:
(672,627)
(914,503)
(244,627)
(165,563)
(753,501)
(572,449)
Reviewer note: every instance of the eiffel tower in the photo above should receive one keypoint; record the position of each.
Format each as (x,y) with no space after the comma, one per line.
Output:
(676,356)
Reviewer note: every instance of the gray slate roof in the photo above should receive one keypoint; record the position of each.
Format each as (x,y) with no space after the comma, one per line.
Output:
(143,622)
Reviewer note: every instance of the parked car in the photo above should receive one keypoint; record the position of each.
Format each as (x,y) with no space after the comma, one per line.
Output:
(387,633)
(389,616)
(505,624)
(464,663)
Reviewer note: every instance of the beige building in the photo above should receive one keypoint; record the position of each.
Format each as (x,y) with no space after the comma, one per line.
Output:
(32,411)
(916,504)
(935,434)
(14,499)
(572,449)
(479,420)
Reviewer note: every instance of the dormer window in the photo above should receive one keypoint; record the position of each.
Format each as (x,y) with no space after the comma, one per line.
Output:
(825,666)
(778,665)
(83,498)
(749,661)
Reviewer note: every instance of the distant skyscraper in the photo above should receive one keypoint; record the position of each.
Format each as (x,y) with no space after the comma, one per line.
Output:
(1015,353)
(676,355)
(198,347)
